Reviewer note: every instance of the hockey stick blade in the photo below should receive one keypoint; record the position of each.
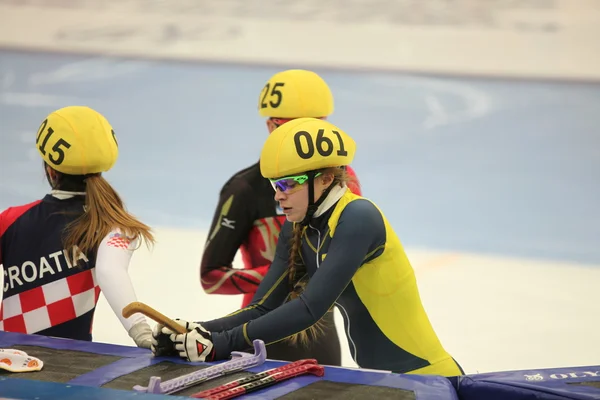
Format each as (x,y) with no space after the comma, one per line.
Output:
(139,307)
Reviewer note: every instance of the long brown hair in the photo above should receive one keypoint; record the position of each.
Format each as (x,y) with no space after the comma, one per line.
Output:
(297,269)
(104,211)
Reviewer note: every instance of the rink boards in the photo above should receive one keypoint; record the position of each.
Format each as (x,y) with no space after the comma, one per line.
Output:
(84,370)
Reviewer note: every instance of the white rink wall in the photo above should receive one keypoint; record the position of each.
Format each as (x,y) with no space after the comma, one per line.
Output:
(530,38)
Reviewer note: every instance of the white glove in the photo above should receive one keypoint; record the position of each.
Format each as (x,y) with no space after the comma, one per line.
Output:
(195,345)
(141,333)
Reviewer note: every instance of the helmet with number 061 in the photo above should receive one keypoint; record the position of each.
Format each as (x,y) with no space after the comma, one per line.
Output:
(295,93)
(77,140)
(305,144)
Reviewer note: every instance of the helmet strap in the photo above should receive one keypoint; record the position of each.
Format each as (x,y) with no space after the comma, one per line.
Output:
(313,205)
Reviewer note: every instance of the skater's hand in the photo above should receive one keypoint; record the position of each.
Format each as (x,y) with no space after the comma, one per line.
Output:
(141,333)
(161,344)
(195,345)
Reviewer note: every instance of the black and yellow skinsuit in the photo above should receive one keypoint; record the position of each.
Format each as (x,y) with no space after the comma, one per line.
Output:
(356,262)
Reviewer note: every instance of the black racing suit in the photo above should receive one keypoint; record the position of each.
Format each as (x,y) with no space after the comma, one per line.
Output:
(248,218)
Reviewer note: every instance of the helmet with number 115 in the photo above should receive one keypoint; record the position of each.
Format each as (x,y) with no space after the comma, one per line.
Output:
(303,145)
(77,140)
(295,93)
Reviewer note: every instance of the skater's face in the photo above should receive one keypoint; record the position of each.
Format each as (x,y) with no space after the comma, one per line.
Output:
(274,123)
(292,193)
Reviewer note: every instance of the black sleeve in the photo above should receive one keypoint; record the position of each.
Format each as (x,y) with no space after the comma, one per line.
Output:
(270,294)
(360,234)
(232,221)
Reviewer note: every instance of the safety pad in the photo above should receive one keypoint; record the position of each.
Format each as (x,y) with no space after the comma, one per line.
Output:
(347,391)
(574,383)
(168,370)
(60,365)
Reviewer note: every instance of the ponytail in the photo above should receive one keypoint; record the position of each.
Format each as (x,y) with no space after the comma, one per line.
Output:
(104,211)
(297,280)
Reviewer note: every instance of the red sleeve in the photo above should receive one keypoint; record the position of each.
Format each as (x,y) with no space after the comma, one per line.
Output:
(227,280)
(2,230)
(9,216)
(354,183)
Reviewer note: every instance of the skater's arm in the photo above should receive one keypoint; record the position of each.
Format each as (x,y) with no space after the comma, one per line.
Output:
(3,227)
(271,292)
(354,183)
(359,238)
(230,226)
(112,265)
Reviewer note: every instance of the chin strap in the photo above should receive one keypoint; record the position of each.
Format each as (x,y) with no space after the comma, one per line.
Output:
(312,205)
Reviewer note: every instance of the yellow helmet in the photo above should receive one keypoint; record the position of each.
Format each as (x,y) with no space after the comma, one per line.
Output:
(77,140)
(295,93)
(305,144)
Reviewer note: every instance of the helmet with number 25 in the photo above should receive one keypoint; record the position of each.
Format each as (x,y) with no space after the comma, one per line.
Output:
(295,93)
(77,140)
(305,144)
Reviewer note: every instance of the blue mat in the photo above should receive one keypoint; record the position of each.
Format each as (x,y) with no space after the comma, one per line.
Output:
(87,386)
(577,383)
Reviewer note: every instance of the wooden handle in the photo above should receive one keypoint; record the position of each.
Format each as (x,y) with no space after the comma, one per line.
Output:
(139,307)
